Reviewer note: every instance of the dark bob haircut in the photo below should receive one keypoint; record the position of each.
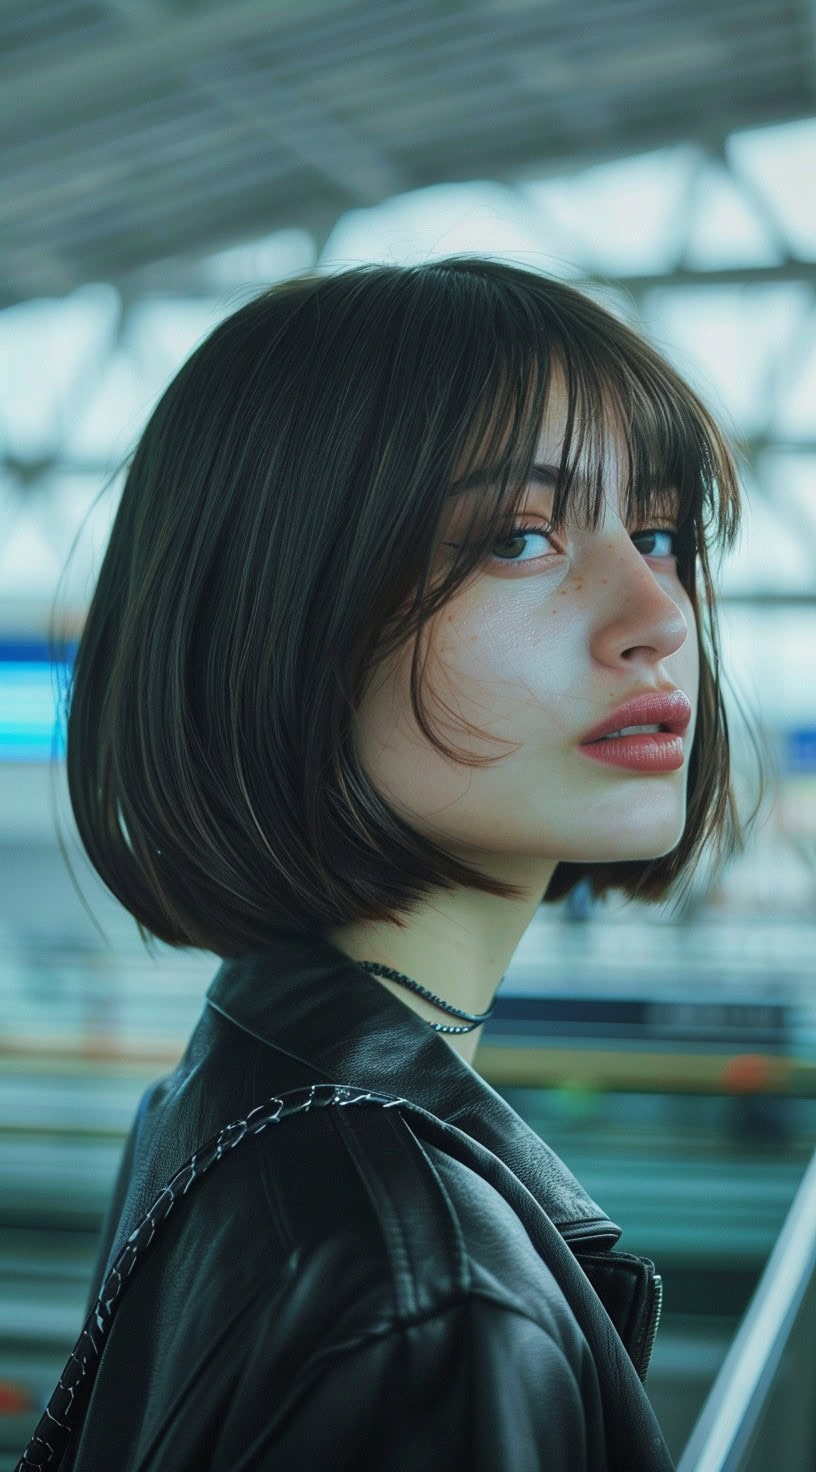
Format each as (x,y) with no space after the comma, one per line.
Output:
(279,533)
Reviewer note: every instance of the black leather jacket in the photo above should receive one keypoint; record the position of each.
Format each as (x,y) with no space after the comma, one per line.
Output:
(372,1289)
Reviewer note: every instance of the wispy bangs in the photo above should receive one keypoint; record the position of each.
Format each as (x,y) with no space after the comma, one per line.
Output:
(672,456)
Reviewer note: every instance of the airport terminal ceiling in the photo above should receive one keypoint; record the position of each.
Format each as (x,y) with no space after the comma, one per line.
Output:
(141,130)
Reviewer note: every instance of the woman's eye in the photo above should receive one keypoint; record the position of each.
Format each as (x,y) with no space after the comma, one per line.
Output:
(663,539)
(519,534)
(664,543)
(669,544)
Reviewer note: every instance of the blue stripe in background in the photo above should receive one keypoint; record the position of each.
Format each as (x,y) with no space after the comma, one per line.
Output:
(29,685)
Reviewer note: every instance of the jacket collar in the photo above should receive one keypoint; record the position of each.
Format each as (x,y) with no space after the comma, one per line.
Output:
(304,997)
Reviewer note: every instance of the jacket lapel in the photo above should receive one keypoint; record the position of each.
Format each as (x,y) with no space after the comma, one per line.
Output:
(307,1000)
(303,996)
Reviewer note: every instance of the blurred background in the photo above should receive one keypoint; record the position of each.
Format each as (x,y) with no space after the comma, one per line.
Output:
(160,162)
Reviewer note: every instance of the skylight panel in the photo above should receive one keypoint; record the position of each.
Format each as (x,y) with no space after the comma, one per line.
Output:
(268,259)
(476,218)
(730,342)
(627,216)
(781,161)
(725,228)
(796,408)
(771,555)
(790,480)
(53,350)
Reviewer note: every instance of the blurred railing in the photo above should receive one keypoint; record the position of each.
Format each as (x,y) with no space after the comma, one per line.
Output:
(761,1410)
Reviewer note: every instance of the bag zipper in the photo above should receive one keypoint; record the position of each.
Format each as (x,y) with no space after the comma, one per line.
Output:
(653,1322)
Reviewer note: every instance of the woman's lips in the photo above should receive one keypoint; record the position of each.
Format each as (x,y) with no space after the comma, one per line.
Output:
(656,751)
(670,709)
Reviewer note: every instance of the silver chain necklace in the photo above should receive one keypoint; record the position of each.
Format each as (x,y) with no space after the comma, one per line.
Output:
(474,1019)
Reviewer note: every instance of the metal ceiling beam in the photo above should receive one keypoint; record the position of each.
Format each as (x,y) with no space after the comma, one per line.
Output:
(103,71)
(167,46)
(792,270)
(291,121)
(177,282)
(538,48)
(809,35)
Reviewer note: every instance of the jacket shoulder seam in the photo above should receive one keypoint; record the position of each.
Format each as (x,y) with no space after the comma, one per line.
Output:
(396,1326)
(407,1266)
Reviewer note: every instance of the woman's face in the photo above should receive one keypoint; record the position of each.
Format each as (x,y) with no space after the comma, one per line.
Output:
(543,641)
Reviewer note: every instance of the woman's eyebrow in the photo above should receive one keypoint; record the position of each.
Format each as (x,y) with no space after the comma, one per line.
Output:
(543,474)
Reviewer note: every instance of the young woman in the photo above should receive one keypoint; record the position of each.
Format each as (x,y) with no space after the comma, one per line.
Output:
(397,551)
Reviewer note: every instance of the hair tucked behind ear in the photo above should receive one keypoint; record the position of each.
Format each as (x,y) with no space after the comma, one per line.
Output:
(275,538)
